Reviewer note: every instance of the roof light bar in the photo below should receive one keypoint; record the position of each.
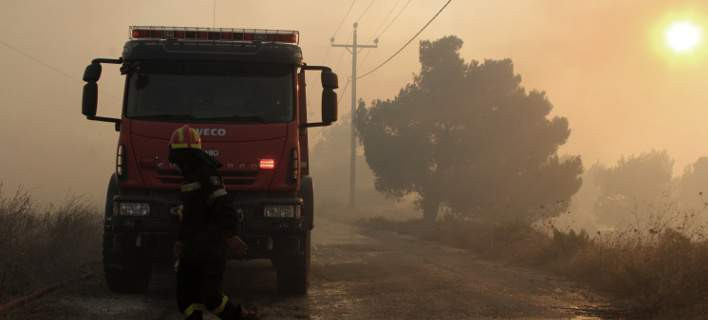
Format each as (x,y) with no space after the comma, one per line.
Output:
(213,34)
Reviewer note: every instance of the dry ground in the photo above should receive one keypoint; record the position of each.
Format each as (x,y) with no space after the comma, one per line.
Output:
(377,275)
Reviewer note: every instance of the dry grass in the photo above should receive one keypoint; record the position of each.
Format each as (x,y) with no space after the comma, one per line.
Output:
(39,246)
(660,270)
(662,273)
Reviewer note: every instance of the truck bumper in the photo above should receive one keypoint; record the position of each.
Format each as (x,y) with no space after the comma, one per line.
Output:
(266,237)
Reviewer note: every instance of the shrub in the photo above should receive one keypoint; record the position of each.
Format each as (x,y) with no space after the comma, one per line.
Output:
(660,270)
(40,243)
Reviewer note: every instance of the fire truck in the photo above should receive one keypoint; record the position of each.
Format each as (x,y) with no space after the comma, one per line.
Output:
(244,90)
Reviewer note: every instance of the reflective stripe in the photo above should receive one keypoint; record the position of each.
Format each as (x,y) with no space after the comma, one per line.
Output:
(194,307)
(217,193)
(179,146)
(196,139)
(191,187)
(180,135)
(218,310)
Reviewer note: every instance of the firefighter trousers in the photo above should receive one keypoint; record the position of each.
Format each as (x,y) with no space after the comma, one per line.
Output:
(199,290)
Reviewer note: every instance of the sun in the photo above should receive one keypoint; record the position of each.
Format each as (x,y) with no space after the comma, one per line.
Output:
(683,36)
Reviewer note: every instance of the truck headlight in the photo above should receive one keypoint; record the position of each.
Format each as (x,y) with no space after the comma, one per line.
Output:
(132,209)
(282,211)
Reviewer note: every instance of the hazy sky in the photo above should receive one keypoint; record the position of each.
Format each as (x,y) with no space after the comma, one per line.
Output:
(601,63)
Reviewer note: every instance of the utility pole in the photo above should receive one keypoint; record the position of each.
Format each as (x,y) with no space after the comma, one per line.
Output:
(354,50)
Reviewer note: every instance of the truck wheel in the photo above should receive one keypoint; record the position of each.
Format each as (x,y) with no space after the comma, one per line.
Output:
(293,270)
(126,267)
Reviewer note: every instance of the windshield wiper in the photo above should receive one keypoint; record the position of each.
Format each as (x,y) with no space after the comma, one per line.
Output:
(236,119)
(165,116)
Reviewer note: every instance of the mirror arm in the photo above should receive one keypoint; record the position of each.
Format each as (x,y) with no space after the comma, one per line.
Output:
(321,68)
(106,60)
(315,124)
(115,121)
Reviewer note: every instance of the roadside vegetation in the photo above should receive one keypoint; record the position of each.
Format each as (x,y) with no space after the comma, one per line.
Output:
(478,155)
(42,245)
(656,271)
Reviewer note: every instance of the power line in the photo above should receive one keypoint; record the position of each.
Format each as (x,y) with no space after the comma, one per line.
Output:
(365,57)
(51,67)
(394,19)
(344,18)
(408,42)
(383,23)
(349,11)
(388,15)
(339,60)
(39,61)
(366,10)
(346,86)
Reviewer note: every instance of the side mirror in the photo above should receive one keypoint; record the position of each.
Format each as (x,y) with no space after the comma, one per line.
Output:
(329,97)
(329,80)
(329,104)
(89,102)
(92,72)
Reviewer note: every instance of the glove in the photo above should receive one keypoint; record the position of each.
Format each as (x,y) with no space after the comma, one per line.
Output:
(237,246)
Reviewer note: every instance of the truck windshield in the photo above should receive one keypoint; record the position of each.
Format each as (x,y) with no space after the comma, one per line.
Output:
(203,92)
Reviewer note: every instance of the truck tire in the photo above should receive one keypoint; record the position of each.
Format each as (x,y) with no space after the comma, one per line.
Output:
(294,270)
(126,267)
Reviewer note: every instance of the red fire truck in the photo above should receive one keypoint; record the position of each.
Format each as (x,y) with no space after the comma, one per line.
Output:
(244,90)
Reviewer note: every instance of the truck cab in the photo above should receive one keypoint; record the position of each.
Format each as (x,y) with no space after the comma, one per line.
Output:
(244,90)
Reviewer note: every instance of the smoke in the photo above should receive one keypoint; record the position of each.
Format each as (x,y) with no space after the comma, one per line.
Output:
(596,60)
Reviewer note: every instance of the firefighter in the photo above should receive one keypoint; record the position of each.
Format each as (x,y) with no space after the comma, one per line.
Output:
(209,226)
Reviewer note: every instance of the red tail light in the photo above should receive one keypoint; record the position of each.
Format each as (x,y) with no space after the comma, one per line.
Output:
(267,164)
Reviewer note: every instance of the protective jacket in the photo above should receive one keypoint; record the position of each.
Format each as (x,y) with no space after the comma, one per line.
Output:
(208,215)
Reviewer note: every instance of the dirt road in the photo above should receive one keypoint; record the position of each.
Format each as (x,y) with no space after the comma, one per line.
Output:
(354,276)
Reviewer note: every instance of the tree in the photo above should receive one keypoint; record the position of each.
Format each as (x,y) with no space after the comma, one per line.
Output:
(693,185)
(631,184)
(468,136)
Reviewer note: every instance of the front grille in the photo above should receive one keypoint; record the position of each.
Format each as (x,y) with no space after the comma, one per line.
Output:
(239,182)
(239,174)
(231,178)
(171,180)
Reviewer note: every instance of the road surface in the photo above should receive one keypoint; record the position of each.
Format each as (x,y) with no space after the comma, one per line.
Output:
(355,275)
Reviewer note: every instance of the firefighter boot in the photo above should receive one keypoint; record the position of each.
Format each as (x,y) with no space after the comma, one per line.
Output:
(232,312)
(196,315)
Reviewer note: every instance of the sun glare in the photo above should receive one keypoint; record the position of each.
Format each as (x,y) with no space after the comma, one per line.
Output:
(683,36)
